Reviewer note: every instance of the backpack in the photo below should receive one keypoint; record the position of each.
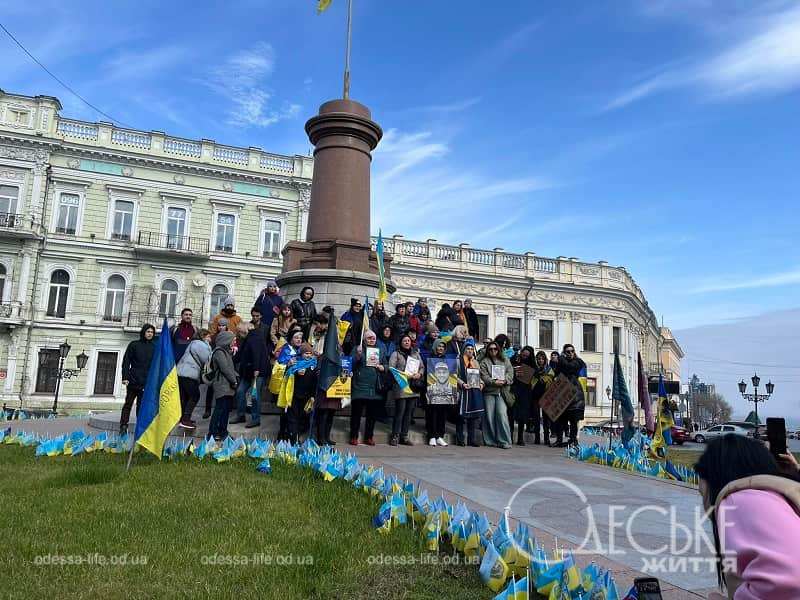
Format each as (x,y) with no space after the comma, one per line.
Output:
(208,373)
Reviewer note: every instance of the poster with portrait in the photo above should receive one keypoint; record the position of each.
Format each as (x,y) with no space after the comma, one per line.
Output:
(442,380)
(474,378)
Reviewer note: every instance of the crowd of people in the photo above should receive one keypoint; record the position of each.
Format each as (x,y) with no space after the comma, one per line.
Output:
(490,392)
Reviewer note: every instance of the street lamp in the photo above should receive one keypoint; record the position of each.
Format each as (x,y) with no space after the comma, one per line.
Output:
(755,397)
(63,373)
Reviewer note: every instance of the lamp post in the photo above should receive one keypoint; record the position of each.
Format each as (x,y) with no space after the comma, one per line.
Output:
(611,420)
(63,373)
(755,397)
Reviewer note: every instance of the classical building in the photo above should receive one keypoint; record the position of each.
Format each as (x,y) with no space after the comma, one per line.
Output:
(103,229)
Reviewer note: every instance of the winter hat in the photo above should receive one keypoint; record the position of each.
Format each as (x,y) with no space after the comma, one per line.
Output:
(272,283)
(224,339)
(229,301)
(470,341)
(223,321)
(354,301)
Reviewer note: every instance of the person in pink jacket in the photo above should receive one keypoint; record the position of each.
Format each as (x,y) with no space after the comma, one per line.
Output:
(755,519)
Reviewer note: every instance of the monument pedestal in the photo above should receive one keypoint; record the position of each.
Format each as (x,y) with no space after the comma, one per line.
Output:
(337,260)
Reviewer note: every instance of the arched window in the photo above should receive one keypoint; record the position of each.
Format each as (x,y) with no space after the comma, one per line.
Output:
(2,281)
(218,293)
(115,298)
(169,298)
(59,290)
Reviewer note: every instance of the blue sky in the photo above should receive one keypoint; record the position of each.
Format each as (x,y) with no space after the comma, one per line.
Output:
(660,135)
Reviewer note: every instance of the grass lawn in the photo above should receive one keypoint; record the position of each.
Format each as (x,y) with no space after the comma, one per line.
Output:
(175,514)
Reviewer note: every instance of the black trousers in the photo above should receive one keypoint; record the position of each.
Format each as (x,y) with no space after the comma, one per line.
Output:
(359,406)
(209,398)
(295,418)
(436,419)
(323,421)
(133,394)
(403,407)
(219,420)
(469,424)
(190,394)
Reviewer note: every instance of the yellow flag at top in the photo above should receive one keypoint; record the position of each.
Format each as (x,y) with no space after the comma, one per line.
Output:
(323,5)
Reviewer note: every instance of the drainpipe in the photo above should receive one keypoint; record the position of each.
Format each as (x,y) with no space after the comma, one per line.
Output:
(527,302)
(32,301)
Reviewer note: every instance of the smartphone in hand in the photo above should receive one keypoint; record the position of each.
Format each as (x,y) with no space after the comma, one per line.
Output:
(647,588)
(776,436)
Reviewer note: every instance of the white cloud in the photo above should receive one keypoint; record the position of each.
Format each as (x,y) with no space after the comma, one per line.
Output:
(745,282)
(129,65)
(242,79)
(765,60)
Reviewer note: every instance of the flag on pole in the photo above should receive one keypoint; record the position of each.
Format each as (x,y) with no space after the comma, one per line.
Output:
(644,397)
(323,5)
(622,396)
(664,422)
(330,363)
(383,294)
(161,403)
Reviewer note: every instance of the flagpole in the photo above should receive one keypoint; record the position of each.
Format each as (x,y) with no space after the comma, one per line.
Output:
(346,94)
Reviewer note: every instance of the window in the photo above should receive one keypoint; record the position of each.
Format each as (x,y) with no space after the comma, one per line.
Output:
(59,290)
(47,376)
(18,116)
(176,227)
(115,298)
(716,428)
(106,373)
(514,326)
(483,327)
(589,337)
(218,294)
(2,281)
(168,299)
(68,205)
(616,337)
(272,238)
(591,391)
(122,226)
(226,227)
(9,197)
(545,333)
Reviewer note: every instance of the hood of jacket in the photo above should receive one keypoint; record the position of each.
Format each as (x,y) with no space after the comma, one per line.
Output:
(784,486)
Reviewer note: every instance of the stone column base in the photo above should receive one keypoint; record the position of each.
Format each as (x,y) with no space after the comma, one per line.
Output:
(332,286)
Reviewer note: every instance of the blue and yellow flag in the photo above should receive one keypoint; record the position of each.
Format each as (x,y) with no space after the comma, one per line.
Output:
(161,404)
(383,293)
(401,379)
(493,570)
(323,5)
(622,396)
(662,438)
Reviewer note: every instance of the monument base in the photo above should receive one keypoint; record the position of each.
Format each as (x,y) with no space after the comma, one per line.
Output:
(332,286)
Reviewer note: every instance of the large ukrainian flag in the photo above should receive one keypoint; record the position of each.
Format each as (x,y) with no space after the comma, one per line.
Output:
(161,403)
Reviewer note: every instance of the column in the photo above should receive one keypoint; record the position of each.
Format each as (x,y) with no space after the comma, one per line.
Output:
(305,207)
(499,320)
(533,331)
(37,190)
(24,277)
(11,364)
(607,368)
(577,333)
(561,329)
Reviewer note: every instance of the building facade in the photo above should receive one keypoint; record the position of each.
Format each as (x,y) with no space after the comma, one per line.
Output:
(541,302)
(103,229)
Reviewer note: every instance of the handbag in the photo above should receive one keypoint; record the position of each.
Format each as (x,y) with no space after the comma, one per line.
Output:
(508,396)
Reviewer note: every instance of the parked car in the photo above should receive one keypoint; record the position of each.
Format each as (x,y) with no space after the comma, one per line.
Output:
(679,435)
(704,435)
(793,435)
(614,427)
(742,424)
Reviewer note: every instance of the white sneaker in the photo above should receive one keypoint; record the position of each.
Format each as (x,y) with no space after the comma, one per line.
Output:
(441,442)
(432,442)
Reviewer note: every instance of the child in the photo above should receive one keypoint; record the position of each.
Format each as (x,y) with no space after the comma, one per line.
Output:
(305,386)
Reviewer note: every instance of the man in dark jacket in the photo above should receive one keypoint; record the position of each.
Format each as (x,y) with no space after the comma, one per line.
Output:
(574,369)
(473,326)
(183,333)
(135,366)
(253,369)
(399,322)
(378,319)
(269,303)
(304,310)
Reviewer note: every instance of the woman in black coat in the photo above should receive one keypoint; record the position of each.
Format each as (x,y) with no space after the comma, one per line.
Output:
(520,412)
(304,310)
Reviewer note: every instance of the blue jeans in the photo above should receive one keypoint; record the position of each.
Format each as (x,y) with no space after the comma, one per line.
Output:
(241,398)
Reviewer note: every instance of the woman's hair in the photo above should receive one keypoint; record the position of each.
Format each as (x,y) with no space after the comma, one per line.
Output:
(727,459)
(502,341)
(204,333)
(400,342)
(489,347)
(460,332)
(733,457)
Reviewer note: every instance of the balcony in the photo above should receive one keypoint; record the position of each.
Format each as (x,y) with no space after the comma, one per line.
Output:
(134,320)
(10,312)
(16,226)
(151,243)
